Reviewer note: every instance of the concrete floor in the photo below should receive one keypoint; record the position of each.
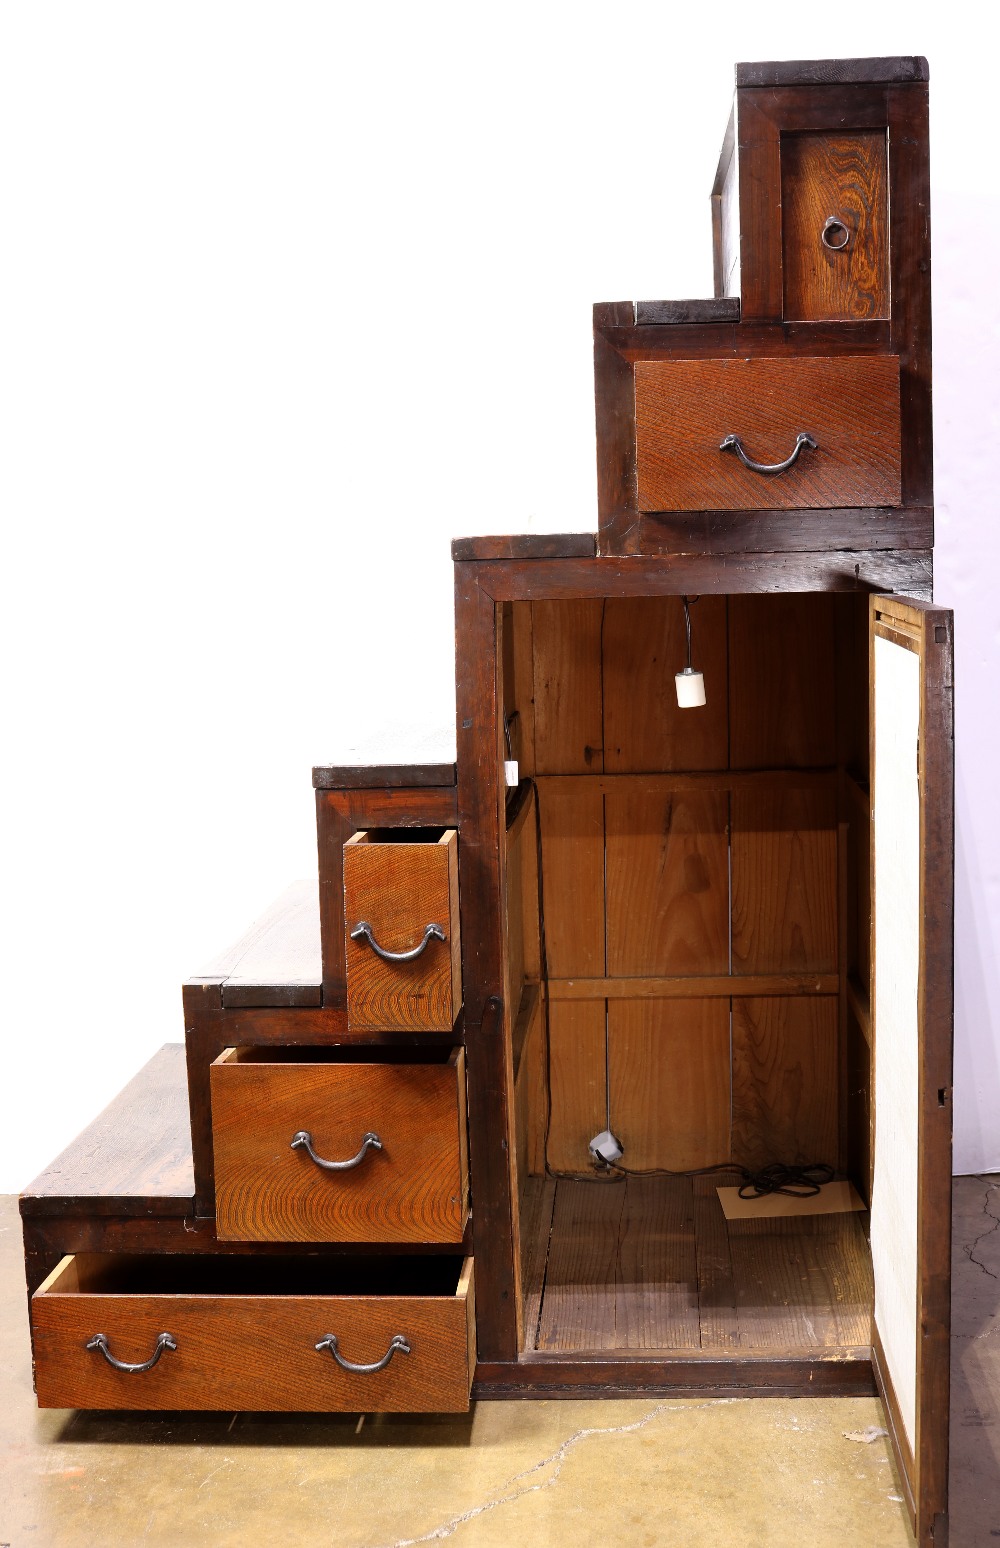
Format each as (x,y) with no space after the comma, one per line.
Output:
(640,1474)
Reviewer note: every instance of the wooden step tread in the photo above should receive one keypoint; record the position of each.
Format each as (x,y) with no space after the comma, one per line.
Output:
(278,961)
(133,1159)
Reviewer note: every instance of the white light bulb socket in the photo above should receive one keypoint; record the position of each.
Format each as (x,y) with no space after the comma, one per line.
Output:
(690,687)
(510,773)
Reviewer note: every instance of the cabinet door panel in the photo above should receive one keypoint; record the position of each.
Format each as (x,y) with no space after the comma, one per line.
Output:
(912,864)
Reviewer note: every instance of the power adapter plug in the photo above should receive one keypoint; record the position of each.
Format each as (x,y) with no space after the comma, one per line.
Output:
(605,1149)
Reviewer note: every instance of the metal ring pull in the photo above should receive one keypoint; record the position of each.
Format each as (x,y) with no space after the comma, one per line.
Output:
(831,227)
(100,1341)
(303,1141)
(397,1344)
(733,443)
(363,932)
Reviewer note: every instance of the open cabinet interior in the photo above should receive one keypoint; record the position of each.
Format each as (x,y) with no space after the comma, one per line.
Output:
(691,969)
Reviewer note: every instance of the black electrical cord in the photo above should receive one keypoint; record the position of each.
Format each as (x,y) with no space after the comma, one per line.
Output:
(797,1182)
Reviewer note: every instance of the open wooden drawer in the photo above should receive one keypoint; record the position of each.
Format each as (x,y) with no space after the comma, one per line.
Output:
(340,1145)
(280,1334)
(403,948)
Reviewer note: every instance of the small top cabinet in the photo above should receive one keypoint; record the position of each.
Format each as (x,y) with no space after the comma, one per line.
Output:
(802,390)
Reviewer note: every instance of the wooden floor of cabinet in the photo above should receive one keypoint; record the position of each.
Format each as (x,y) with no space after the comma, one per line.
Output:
(648,1264)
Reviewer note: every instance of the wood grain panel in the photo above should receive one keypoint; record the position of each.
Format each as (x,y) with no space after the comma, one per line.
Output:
(573,875)
(644,730)
(694,987)
(578,1306)
(400,887)
(843,176)
(537,1203)
(523,729)
(858,1099)
(784,881)
(566,644)
(668,1063)
(656,1304)
(720,1324)
(782,682)
(414,1189)
(251,1351)
(667,870)
(785,1081)
(802,1284)
(685,409)
(529,1092)
(579,1083)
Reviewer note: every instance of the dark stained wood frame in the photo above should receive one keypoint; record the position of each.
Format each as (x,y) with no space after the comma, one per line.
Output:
(929,632)
(481,589)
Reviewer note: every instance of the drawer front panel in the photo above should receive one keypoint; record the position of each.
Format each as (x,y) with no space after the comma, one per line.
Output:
(410,1187)
(399,889)
(835,225)
(253,1353)
(848,405)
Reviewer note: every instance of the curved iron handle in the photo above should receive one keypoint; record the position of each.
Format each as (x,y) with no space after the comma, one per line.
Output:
(733,443)
(100,1341)
(397,1343)
(303,1141)
(363,932)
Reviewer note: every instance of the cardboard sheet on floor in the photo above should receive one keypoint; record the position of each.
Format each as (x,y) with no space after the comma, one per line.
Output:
(833,1198)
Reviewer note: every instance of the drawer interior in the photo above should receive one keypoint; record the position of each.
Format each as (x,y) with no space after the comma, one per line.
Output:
(262,1054)
(402,836)
(212,1274)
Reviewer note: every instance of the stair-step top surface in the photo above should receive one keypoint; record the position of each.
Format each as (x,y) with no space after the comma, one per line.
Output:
(277,962)
(133,1159)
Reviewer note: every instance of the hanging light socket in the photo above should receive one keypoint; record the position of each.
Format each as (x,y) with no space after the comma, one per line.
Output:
(689,684)
(690,687)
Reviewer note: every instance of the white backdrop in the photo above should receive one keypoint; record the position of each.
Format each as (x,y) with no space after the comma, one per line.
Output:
(291,295)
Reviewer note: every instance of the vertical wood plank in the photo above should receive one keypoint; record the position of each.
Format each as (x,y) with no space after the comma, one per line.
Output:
(668,1062)
(644,645)
(578,1307)
(784,880)
(578,1082)
(667,868)
(785,1080)
(566,644)
(717,1302)
(573,880)
(782,681)
(537,1203)
(656,1302)
(480,797)
(523,733)
(859,1109)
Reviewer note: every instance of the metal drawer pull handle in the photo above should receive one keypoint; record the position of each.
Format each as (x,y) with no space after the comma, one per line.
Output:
(733,443)
(100,1341)
(398,1342)
(831,236)
(303,1141)
(363,932)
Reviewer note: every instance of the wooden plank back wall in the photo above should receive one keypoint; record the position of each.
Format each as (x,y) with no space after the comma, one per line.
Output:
(691,863)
